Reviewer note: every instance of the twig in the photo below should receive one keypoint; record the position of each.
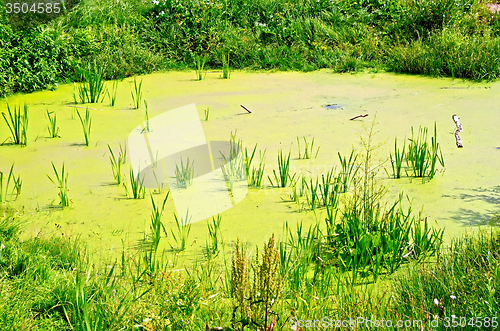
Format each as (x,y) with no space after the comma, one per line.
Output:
(248,110)
(358,117)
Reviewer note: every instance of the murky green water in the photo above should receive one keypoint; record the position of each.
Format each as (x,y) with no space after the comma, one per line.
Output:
(284,106)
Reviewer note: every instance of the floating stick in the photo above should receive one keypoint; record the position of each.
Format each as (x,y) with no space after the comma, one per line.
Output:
(456,119)
(358,117)
(248,110)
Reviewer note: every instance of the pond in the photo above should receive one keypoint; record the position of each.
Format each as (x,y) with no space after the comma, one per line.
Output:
(281,107)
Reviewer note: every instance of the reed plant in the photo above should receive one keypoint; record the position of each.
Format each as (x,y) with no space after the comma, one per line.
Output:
(207,113)
(18,124)
(435,154)
(136,94)
(308,149)
(257,173)
(212,247)
(112,94)
(282,178)
(397,159)
(147,128)
(86,122)
(156,225)
(423,157)
(349,169)
(313,194)
(92,88)
(200,66)
(116,163)
(180,237)
(52,127)
(4,186)
(226,72)
(138,191)
(184,174)
(61,182)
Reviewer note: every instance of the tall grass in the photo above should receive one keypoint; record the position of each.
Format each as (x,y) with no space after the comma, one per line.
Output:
(86,122)
(61,182)
(181,235)
(116,162)
(212,247)
(308,149)
(137,189)
(4,185)
(52,127)
(92,88)
(136,94)
(112,94)
(282,178)
(397,159)
(184,174)
(226,72)
(200,67)
(421,157)
(18,124)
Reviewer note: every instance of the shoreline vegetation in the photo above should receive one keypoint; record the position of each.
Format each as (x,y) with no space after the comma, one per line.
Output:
(452,38)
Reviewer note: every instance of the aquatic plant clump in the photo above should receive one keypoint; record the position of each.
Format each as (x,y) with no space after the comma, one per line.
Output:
(61,182)
(5,183)
(92,88)
(18,124)
(86,122)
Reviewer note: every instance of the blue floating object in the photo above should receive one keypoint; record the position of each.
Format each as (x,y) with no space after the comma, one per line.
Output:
(332,106)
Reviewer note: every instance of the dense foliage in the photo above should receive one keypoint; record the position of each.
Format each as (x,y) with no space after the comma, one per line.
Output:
(459,38)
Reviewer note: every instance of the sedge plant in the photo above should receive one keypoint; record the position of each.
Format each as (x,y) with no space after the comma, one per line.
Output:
(200,65)
(4,185)
(308,149)
(184,174)
(61,182)
(136,94)
(18,124)
(86,122)
(282,178)
(52,127)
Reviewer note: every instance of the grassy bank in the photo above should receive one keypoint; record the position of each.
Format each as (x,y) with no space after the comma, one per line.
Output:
(49,284)
(438,37)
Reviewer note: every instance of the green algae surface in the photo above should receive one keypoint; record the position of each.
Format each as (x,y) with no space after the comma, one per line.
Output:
(283,106)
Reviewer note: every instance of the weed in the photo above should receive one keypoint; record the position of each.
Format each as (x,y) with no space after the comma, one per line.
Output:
(397,161)
(308,149)
(422,157)
(207,113)
(283,177)
(18,124)
(348,172)
(4,190)
(258,173)
(136,185)
(226,73)
(182,234)
(116,164)
(200,65)
(61,182)
(185,174)
(52,127)
(212,246)
(147,128)
(112,94)
(86,125)
(93,84)
(136,94)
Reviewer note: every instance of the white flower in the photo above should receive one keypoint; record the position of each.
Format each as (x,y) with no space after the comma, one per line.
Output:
(156,2)
(2,246)
(436,302)
(453,297)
